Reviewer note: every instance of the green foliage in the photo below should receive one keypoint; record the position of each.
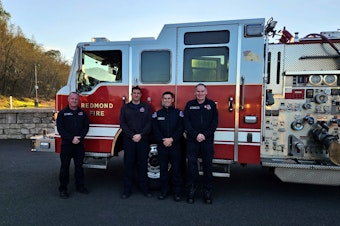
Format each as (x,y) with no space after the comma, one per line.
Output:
(21,59)
(24,103)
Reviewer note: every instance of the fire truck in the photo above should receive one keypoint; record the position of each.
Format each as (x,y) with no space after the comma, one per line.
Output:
(278,101)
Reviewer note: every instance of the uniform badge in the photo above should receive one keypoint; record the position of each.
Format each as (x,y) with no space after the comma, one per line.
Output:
(208,107)
(141,109)
(80,113)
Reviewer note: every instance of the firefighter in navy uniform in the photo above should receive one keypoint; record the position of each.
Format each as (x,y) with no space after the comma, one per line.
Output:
(168,130)
(72,125)
(135,121)
(200,122)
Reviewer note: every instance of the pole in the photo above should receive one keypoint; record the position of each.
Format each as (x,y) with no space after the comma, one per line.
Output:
(36,102)
(10,102)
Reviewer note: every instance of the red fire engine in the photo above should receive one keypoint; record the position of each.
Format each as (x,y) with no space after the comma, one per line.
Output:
(278,103)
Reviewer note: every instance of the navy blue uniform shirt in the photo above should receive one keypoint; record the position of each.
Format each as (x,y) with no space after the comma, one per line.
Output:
(135,119)
(71,123)
(168,122)
(200,118)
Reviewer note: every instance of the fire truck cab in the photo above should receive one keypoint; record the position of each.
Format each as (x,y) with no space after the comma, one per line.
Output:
(278,103)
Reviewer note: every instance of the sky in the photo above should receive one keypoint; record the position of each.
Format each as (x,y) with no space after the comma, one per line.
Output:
(61,24)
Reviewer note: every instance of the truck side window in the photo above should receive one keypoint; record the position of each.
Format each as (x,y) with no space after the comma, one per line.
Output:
(206,64)
(155,66)
(99,67)
(207,37)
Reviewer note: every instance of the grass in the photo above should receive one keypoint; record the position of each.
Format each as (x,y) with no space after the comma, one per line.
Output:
(24,103)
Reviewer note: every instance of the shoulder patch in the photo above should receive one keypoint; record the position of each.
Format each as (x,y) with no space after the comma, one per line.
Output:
(154,115)
(181,114)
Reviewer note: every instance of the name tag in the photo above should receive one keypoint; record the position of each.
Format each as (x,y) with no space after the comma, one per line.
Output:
(194,107)
(161,118)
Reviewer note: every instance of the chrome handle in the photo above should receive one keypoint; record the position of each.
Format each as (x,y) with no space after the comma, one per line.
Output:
(231,99)
(242,94)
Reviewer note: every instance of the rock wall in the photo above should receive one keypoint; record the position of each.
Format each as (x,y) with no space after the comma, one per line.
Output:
(25,123)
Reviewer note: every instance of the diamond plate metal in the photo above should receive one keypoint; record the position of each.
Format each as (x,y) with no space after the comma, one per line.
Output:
(305,172)
(309,176)
(294,57)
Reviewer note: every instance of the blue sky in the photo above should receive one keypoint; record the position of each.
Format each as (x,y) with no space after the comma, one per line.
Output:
(62,24)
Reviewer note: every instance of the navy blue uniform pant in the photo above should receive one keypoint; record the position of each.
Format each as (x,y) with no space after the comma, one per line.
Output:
(206,151)
(69,151)
(173,156)
(135,153)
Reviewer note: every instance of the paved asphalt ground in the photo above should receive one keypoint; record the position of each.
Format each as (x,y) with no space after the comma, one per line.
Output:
(251,196)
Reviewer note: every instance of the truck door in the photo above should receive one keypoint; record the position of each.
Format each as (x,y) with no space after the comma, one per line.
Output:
(216,54)
(103,86)
(103,81)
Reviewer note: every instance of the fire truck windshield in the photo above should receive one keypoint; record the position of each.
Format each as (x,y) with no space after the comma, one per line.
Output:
(98,67)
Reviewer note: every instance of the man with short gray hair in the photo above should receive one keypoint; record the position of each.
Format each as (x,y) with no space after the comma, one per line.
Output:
(200,122)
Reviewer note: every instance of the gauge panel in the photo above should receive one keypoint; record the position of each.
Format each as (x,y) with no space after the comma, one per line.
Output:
(330,80)
(315,80)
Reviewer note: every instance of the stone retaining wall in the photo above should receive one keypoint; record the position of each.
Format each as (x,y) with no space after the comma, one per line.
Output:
(25,123)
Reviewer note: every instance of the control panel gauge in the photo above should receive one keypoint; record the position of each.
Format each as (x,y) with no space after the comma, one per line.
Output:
(330,80)
(315,80)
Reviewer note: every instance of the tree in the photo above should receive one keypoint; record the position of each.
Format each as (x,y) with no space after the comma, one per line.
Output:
(3,14)
(19,57)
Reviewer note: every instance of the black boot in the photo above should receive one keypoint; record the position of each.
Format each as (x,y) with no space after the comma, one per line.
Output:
(191,195)
(207,197)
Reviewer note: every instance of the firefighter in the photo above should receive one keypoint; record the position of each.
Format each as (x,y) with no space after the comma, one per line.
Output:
(200,122)
(135,121)
(72,125)
(167,124)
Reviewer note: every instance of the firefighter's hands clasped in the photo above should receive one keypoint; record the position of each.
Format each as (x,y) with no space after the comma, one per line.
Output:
(200,137)
(136,138)
(167,142)
(76,140)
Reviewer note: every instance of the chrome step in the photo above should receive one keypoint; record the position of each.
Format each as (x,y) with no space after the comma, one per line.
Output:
(93,160)
(94,166)
(221,167)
